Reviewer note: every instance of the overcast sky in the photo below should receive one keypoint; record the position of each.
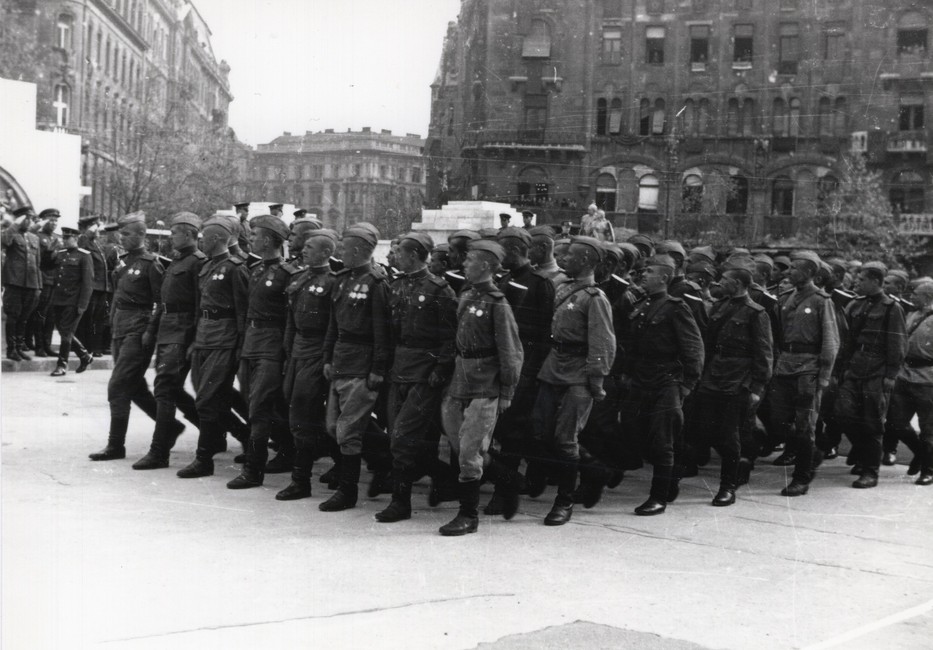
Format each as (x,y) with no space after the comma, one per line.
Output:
(310,65)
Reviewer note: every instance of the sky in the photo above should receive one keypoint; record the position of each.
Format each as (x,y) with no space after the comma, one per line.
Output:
(310,65)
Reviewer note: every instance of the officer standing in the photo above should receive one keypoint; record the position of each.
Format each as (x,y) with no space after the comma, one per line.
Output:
(356,355)
(41,326)
(138,281)
(424,324)
(70,296)
(94,322)
(869,361)
(221,307)
(174,323)
(262,357)
(809,341)
(309,301)
(22,280)
(583,347)
(242,213)
(662,366)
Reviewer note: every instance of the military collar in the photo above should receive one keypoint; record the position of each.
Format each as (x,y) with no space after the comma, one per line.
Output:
(319,270)
(416,275)
(485,286)
(220,258)
(585,280)
(362,269)
(182,253)
(272,261)
(549,266)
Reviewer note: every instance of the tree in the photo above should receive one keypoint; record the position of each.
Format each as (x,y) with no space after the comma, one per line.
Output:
(21,56)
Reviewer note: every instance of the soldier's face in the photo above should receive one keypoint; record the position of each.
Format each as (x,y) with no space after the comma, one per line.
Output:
(406,258)
(456,255)
(891,285)
(729,285)
(70,240)
(866,284)
(132,238)
(438,264)
(655,278)
(180,238)
(800,273)
(475,268)
(316,251)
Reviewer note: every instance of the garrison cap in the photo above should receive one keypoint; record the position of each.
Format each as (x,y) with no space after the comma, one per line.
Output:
(542,231)
(365,225)
(276,206)
(837,263)
(671,247)
(488,246)
(809,256)
(443,247)
(241,206)
(489,233)
(465,234)
(515,233)
(229,224)
(423,239)
(703,252)
(782,260)
(360,232)
(739,251)
(612,250)
(301,224)
(50,213)
(187,219)
(854,264)
(739,263)
(761,258)
(323,232)
(269,222)
(702,266)
(26,209)
(593,243)
(661,260)
(629,251)
(643,242)
(899,273)
(132,217)
(879,267)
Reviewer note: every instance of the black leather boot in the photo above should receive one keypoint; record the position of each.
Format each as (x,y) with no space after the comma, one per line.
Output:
(11,352)
(332,476)
(300,486)
(562,509)
(282,462)
(381,483)
(445,485)
(348,489)
(593,479)
(252,475)
(399,508)
(163,439)
(21,348)
(728,481)
(116,440)
(467,519)
(660,487)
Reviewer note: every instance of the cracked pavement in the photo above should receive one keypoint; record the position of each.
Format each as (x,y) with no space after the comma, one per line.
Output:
(96,555)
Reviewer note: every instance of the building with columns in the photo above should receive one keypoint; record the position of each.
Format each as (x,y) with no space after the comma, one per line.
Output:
(674,114)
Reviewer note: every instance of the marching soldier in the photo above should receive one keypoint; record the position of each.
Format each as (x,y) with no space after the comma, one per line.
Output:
(541,253)
(456,256)
(71,294)
(41,325)
(424,324)
(175,324)
(869,362)
(298,232)
(808,343)
(138,282)
(221,307)
(488,365)
(22,281)
(91,329)
(356,355)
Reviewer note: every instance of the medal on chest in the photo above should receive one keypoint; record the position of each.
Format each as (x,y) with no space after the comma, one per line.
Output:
(476,311)
(360,292)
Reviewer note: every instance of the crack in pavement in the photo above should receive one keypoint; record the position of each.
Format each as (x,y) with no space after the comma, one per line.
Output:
(828,532)
(371,610)
(54,478)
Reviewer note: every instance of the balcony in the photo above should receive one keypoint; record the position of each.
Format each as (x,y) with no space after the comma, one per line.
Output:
(532,139)
(916,224)
(907,142)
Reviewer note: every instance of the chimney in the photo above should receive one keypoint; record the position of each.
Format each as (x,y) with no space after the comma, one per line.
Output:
(386,131)
(366,129)
(328,130)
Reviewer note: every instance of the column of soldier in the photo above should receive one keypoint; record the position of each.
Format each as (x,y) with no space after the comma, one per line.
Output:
(577,358)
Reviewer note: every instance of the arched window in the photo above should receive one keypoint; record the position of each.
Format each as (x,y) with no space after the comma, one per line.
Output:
(840,117)
(532,187)
(749,118)
(794,126)
(737,196)
(64,31)
(648,193)
(912,34)
(782,196)
(601,116)
(615,116)
(659,118)
(824,114)
(732,117)
(779,117)
(690,118)
(606,192)
(62,104)
(692,195)
(644,117)
(906,193)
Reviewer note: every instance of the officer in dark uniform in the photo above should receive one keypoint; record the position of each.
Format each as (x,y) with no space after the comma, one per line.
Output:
(680,287)
(71,293)
(94,322)
(138,281)
(869,361)
(309,299)
(530,293)
(583,347)
(242,215)
(174,324)
(528,219)
(22,280)
(275,210)
(662,366)
(541,253)
(356,355)
(424,324)
(40,326)
(262,357)
(737,369)
(221,307)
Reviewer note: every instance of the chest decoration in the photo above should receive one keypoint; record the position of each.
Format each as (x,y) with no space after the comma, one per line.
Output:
(134,271)
(218,276)
(421,298)
(360,292)
(571,306)
(476,311)
(807,310)
(316,289)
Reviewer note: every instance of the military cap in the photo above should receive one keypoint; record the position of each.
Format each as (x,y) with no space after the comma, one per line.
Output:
(593,243)
(854,264)
(630,251)
(661,260)
(515,233)
(111,226)
(229,224)
(133,217)
(302,224)
(465,234)
(488,246)
(50,213)
(528,213)
(704,252)
(898,273)
(739,263)
(324,232)
(365,225)
(88,220)
(809,256)
(837,263)
(782,260)
(423,239)
(612,250)
(241,206)
(923,279)
(542,231)
(489,233)
(670,247)
(359,231)
(702,266)
(738,250)
(505,215)
(299,213)
(761,258)
(276,206)
(443,247)
(272,223)
(187,219)
(641,240)
(26,209)
(878,267)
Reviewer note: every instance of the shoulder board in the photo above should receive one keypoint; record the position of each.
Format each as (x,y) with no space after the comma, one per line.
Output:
(518,286)
(820,292)
(122,255)
(378,272)
(253,258)
(692,297)
(235,260)
(291,268)
(887,300)
(199,254)
(454,275)
(594,291)
(755,306)
(342,272)
(441,282)
(620,280)
(860,297)
(786,292)
(844,293)
(495,293)
(693,285)
(768,294)
(676,299)
(165,260)
(150,257)
(80,250)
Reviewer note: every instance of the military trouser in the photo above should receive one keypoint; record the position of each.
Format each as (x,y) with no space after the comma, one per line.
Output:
(906,400)
(349,409)
(795,401)
(267,409)
(414,412)
(65,318)
(212,373)
(469,424)
(718,419)
(306,392)
(653,418)
(828,432)
(127,383)
(172,367)
(861,410)
(91,328)
(514,428)
(40,326)
(18,304)
(559,415)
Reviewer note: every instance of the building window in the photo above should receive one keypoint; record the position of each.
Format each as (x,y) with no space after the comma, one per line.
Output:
(782,197)
(794,126)
(606,192)
(383,171)
(615,116)
(743,46)
(602,116)
(825,117)
(692,194)
(658,119)
(644,118)
(834,40)
(699,47)
(743,5)
(64,31)
(655,7)
(357,169)
(779,117)
(704,121)
(748,117)
(789,44)
(690,117)
(840,117)
(654,45)
(532,187)
(535,116)
(648,193)
(912,35)
(61,104)
(737,196)
(415,174)
(612,46)
(910,113)
(907,193)
(537,45)
(612,9)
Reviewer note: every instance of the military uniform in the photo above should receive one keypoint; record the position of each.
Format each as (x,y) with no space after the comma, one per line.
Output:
(873,352)
(22,284)
(41,325)
(71,293)
(828,432)
(92,328)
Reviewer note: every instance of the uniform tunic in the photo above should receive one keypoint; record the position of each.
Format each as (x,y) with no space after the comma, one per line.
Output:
(913,391)
(70,295)
(21,279)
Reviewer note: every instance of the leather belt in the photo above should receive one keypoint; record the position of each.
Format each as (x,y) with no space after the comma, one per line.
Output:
(133,306)
(312,333)
(217,314)
(478,353)
(174,308)
(265,324)
(355,339)
(802,348)
(574,348)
